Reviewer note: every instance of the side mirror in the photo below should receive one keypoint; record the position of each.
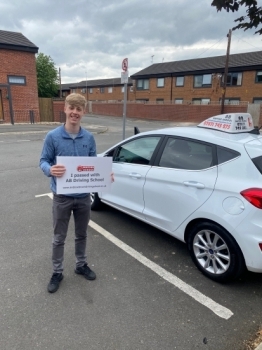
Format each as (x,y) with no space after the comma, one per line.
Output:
(136,130)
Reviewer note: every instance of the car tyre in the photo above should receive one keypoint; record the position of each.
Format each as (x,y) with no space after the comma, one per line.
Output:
(95,201)
(215,252)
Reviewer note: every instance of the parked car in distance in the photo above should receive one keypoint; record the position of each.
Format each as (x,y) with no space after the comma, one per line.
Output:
(201,184)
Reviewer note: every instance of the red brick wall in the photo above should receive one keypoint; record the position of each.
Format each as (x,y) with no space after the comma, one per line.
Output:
(24,97)
(58,109)
(175,112)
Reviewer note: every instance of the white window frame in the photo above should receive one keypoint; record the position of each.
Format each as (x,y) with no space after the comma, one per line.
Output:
(110,89)
(160,82)
(259,74)
(202,80)
(201,101)
(180,81)
(16,80)
(142,84)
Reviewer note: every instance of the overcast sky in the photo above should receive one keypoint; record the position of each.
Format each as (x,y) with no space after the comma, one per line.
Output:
(90,38)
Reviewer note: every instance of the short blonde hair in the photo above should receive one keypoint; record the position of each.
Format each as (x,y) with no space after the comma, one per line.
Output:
(76,100)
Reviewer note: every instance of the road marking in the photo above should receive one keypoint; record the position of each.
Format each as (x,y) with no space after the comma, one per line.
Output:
(50,195)
(218,309)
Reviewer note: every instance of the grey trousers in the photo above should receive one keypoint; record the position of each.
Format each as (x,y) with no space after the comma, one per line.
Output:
(63,206)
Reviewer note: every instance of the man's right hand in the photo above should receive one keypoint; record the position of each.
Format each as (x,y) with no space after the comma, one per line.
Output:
(57,170)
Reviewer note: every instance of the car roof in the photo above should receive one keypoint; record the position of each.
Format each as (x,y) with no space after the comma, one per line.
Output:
(202,134)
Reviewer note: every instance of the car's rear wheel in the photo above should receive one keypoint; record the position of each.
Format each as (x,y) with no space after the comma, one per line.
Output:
(95,201)
(215,252)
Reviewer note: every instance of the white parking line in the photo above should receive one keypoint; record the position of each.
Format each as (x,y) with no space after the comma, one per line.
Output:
(218,309)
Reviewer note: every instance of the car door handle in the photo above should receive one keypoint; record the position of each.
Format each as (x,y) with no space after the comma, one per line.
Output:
(194,184)
(135,175)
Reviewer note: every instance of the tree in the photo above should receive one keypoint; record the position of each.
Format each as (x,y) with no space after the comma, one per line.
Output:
(254,13)
(47,76)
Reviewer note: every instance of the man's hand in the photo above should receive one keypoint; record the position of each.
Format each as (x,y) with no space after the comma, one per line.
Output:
(112,177)
(57,170)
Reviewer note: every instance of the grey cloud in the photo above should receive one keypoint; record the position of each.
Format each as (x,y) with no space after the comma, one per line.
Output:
(95,35)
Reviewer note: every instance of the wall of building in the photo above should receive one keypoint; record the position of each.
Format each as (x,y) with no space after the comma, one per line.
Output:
(97,95)
(24,97)
(246,92)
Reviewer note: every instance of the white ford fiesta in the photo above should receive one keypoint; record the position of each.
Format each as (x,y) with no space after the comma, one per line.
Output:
(202,185)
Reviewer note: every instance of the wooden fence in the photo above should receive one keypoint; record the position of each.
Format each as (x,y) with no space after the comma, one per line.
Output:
(46,109)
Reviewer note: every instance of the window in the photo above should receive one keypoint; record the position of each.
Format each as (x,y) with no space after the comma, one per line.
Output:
(142,100)
(179,101)
(201,101)
(160,82)
(259,77)
(73,91)
(257,100)
(233,79)
(180,81)
(225,154)
(102,90)
(90,90)
(258,163)
(186,154)
(110,90)
(142,84)
(203,80)
(17,80)
(83,91)
(122,89)
(160,100)
(231,101)
(137,151)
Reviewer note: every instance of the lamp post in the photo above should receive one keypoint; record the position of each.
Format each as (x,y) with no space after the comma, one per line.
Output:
(226,72)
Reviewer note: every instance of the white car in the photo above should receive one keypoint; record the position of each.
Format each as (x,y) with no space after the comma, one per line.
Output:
(202,185)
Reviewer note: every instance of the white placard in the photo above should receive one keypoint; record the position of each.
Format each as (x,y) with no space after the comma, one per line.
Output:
(84,175)
(124,77)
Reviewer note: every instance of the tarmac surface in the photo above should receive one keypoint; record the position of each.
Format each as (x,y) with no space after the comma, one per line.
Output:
(19,129)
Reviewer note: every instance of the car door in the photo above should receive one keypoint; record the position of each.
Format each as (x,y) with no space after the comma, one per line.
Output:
(131,163)
(182,180)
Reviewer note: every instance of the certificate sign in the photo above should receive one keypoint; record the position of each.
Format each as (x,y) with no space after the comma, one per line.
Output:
(84,175)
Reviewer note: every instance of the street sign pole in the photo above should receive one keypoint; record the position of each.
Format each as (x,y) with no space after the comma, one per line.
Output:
(124,110)
(124,80)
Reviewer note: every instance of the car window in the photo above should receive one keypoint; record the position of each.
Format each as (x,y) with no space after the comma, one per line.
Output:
(258,163)
(138,151)
(225,154)
(186,154)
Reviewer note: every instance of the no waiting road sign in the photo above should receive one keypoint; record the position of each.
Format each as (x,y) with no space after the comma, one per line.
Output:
(125,64)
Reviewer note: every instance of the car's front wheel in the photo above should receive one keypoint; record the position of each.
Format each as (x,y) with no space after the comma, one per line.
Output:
(215,252)
(95,201)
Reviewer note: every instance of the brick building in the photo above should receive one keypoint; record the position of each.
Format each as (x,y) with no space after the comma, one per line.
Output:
(18,79)
(184,91)
(104,90)
(201,80)
(195,81)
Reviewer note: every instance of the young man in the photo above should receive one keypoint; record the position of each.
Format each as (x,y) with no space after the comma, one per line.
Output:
(68,140)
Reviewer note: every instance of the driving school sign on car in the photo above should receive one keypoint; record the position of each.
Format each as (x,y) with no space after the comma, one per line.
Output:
(84,175)
(231,123)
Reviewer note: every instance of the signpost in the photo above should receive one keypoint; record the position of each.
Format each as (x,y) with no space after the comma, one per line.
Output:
(124,80)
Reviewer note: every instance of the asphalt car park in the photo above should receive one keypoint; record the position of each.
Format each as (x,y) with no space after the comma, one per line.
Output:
(131,305)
